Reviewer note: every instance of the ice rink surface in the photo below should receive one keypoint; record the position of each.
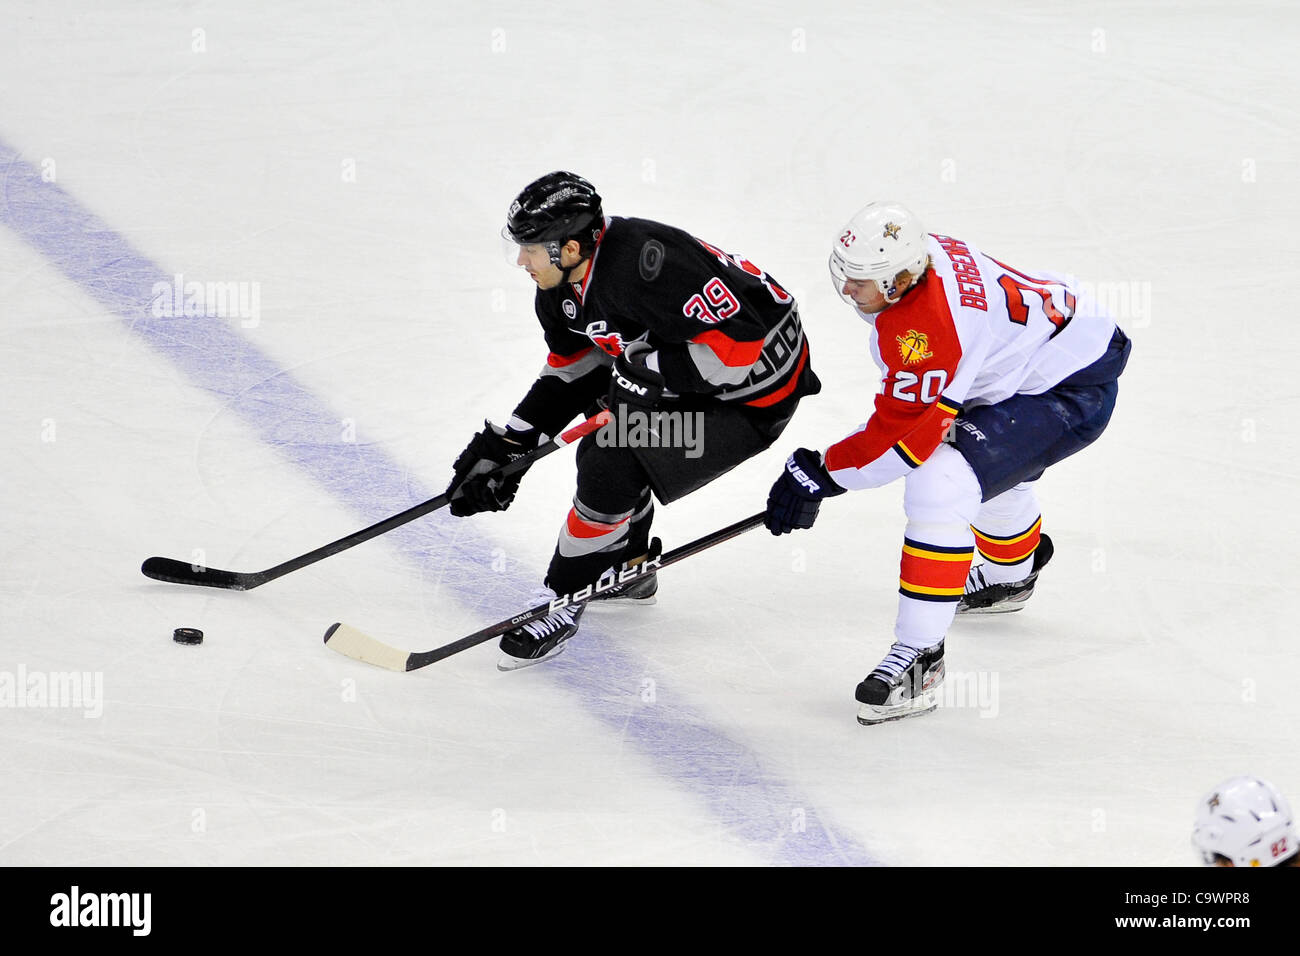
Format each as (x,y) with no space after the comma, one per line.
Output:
(349,167)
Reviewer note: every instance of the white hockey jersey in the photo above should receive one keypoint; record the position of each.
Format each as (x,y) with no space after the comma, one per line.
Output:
(973,332)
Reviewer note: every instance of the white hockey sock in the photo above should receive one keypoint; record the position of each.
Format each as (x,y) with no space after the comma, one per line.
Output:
(988,573)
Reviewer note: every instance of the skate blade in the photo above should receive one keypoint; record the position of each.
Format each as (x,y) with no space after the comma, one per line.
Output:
(508,663)
(1005,608)
(869,714)
(624,602)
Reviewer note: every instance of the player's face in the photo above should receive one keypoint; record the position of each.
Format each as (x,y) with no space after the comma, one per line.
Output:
(536,261)
(866,295)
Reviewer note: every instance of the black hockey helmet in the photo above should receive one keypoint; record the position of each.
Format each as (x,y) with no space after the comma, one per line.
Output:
(554,209)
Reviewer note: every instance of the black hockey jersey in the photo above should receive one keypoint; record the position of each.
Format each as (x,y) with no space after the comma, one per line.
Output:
(722,329)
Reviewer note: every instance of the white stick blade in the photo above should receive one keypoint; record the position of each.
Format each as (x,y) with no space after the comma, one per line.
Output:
(355,644)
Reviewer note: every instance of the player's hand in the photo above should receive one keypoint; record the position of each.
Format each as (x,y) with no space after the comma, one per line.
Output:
(479,490)
(797,495)
(633,384)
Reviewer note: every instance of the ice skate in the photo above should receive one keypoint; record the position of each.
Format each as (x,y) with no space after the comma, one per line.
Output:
(640,590)
(905,684)
(543,639)
(981,597)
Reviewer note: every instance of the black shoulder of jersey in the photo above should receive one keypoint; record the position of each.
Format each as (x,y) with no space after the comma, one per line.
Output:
(643,264)
(640,247)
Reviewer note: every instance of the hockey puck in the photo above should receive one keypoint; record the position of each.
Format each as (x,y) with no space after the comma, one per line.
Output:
(187,635)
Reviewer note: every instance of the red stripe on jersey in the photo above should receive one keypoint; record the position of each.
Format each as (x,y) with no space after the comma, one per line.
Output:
(785,389)
(1007,268)
(730,352)
(560,361)
(580,288)
(582,528)
(1011,550)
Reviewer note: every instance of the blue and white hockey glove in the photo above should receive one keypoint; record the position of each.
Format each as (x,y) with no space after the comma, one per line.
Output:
(797,495)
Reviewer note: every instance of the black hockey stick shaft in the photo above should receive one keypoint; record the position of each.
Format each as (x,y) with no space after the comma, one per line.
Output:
(183,572)
(366,648)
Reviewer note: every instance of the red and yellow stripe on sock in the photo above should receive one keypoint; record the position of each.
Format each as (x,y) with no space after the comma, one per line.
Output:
(1009,550)
(931,572)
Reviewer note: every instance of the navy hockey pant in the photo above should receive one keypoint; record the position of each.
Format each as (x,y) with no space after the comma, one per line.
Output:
(1017,439)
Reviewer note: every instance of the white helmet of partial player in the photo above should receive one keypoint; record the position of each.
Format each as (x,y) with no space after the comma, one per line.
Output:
(884,242)
(1247,821)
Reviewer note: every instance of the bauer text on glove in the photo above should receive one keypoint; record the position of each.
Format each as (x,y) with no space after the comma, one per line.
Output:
(797,495)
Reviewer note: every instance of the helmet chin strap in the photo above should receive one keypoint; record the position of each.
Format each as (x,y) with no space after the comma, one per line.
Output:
(889,293)
(565,272)
(892,293)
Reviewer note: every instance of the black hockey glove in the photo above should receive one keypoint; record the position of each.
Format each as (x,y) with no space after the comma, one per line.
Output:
(479,490)
(797,495)
(632,384)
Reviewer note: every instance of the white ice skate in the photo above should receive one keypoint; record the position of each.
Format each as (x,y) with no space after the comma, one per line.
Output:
(905,684)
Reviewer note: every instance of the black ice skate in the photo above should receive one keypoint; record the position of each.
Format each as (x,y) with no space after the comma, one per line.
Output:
(905,684)
(542,639)
(984,598)
(640,590)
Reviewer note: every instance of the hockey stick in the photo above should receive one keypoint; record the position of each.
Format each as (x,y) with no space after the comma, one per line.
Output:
(353,643)
(182,572)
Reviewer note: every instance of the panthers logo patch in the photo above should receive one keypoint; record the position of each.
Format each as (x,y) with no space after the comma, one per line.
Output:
(914,347)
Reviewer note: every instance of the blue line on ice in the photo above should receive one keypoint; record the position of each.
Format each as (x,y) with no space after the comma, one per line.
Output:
(753,806)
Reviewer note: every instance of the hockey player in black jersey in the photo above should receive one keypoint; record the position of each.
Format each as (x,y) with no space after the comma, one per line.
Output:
(675,336)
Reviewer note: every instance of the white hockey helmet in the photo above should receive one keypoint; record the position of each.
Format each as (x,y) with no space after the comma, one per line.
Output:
(883,241)
(1246,820)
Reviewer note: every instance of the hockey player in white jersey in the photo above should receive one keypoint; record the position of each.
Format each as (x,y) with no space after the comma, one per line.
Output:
(990,376)
(1245,821)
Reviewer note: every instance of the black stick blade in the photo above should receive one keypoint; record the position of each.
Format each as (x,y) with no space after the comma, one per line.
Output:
(180,572)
